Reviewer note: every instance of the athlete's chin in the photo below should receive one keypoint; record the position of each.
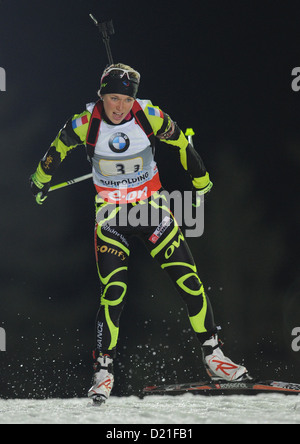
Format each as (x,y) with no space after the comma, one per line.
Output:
(116,122)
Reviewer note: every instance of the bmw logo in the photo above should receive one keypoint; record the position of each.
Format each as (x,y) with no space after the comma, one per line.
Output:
(119,143)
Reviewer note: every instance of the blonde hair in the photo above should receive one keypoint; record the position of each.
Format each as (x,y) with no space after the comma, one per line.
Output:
(135,74)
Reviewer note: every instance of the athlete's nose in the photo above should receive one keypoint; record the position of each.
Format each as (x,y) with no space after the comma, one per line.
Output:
(120,106)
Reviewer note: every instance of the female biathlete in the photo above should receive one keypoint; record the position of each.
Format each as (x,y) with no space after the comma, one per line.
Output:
(119,134)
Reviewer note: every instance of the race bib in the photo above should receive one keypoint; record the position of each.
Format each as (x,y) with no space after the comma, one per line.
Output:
(115,167)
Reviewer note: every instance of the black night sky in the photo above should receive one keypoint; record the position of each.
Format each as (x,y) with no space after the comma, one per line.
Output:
(223,68)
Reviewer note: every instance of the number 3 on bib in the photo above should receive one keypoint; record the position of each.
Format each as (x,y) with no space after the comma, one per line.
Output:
(114,168)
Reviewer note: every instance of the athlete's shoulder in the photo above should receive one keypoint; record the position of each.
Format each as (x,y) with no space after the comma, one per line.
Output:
(144,103)
(81,121)
(79,124)
(149,109)
(154,114)
(90,107)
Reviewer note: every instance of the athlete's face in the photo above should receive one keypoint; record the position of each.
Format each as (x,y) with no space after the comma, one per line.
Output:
(117,106)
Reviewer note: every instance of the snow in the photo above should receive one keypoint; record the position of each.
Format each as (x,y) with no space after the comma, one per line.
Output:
(156,410)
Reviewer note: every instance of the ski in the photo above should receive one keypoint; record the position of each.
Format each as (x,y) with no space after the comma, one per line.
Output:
(224,387)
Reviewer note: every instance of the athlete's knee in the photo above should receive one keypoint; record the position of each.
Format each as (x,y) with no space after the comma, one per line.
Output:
(189,284)
(113,293)
(193,284)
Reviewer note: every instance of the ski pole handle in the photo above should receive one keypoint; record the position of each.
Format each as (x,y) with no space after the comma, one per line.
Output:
(190,133)
(70,182)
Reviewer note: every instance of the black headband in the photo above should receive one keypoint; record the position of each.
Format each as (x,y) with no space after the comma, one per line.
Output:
(117,85)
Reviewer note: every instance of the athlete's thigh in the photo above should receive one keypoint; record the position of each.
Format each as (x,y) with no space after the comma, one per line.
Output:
(165,240)
(112,254)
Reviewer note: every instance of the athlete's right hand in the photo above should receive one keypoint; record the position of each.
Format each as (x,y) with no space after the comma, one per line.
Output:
(39,189)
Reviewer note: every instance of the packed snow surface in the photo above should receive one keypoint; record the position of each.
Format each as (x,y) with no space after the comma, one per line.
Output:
(156,410)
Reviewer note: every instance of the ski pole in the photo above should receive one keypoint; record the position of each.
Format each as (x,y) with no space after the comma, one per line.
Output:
(106,29)
(70,182)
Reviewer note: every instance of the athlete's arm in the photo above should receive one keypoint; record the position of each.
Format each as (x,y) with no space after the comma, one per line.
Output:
(69,137)
(169,132)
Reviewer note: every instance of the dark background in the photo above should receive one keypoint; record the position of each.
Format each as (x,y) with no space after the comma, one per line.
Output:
(223,68)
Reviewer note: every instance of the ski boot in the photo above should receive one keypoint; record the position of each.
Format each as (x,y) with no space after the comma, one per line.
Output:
(218,366)
(103,380)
